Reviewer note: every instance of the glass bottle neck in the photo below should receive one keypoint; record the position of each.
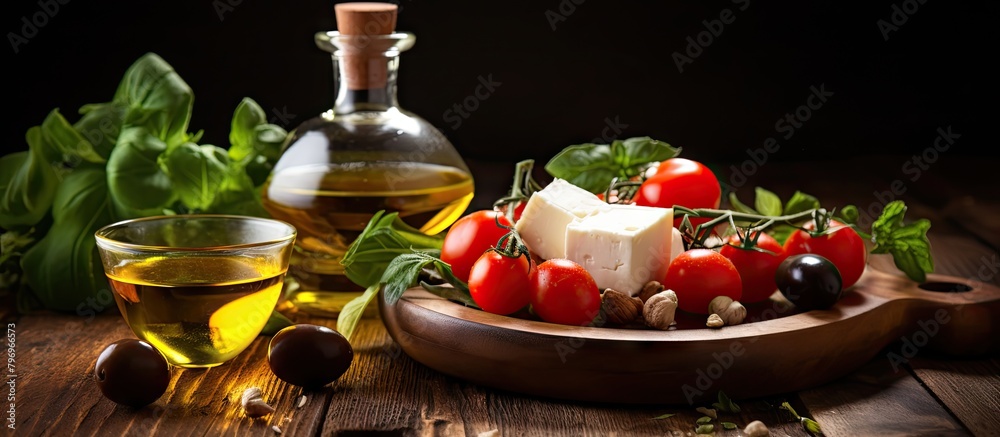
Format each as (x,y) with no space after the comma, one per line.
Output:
(365,83)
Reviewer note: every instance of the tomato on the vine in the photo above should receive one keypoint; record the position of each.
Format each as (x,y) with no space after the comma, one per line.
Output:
(700,275)
(756,268)
(680,181)
(564,292)
(841,245)
(470,237)
(518,208)
(501,284)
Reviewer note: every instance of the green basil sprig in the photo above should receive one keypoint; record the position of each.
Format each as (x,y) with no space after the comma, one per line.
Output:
(392,254)
(130,157)
(593,166)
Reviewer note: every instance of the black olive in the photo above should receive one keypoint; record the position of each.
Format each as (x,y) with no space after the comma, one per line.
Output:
(309,355)
(809,281)
(131,372)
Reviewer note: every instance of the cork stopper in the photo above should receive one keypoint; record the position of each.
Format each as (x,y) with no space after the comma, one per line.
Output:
(364,63)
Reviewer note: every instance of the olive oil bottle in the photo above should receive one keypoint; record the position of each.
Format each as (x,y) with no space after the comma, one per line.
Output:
(364,155)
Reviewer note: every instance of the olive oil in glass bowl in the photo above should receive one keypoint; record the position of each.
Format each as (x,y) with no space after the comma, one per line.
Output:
(198,288)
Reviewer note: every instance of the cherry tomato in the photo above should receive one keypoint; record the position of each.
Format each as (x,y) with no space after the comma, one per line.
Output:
(756,268)
(843,247)
(500,284)
(470,237)
(700,275)
(564,292)
(518,209)
(684,182)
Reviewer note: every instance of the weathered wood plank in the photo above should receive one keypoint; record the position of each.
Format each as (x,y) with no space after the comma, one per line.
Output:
(877,400)
(57,393)
(969,388)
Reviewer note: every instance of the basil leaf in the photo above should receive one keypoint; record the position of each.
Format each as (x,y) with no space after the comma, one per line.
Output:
(800,202)
(740,206)
(255,144)
(703,420)
(64,268)
(664,416)
(781,232)
(157,98)
(73,146)
(640,151)
(27,183)
(767,202)
(908,243)
(350,315)
(890,219)
(588,166)
(134,175)
(449,276)
(100,125)
(267,143)
(196,173)
(246,118)
(402,273)
(237,196)
(268,140)
(593,166)
(704,429)
(728,425)
(384,238)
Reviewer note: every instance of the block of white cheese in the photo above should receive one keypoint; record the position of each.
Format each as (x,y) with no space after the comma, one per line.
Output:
(623,247)
(549,211)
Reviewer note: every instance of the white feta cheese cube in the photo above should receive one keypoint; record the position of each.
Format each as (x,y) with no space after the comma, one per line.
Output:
(543,222)
(623,247)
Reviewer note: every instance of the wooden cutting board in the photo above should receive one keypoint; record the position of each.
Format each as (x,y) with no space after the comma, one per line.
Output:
(778,350)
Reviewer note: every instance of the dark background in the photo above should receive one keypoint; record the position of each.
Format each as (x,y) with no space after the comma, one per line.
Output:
(608,60)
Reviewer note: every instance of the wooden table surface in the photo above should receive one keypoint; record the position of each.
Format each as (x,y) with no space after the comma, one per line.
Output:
(387,393)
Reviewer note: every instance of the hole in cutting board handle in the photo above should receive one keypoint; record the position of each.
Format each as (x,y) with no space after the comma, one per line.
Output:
(945,287)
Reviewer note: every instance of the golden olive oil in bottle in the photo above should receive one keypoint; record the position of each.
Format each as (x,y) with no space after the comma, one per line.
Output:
(364,155)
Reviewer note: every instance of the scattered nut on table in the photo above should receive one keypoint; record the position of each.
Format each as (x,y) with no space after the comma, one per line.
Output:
(756,429)
(659,309)
(620,308)
(650,289)
(714,321)
(730,311)
(253,403)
